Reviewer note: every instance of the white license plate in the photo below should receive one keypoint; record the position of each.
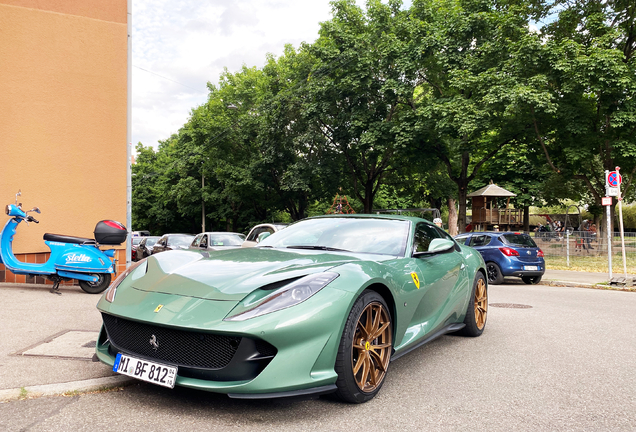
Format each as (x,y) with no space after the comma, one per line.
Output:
(530,267)
(145,370)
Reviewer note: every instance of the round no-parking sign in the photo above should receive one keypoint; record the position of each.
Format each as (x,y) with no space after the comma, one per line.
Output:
(614,179)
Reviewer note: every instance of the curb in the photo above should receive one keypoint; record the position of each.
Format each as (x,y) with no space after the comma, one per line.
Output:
(599,286)
(62,388)
(570,284)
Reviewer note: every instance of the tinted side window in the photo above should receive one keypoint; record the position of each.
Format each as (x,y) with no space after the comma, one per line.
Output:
(254,234)
(204,241)
(424,233)
(461,240)
(479,240)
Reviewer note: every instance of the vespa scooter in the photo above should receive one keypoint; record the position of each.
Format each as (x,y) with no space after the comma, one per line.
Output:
(71,257)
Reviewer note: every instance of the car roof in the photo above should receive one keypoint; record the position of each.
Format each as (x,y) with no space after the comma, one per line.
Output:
(494,233)
(376,216)
(220,232)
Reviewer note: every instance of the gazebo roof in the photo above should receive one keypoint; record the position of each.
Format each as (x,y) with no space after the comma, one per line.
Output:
(491,190)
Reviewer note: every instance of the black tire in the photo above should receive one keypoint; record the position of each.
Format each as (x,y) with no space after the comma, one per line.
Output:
(531,280)
(96,287)
(477,309)
(495,277)
(370,355)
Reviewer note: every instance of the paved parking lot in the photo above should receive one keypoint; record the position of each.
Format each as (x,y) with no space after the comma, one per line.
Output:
(566,360)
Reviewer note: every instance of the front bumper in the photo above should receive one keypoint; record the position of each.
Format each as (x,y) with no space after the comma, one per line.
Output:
(303,339)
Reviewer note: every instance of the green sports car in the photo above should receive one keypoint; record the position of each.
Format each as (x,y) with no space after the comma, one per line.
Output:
(322,306)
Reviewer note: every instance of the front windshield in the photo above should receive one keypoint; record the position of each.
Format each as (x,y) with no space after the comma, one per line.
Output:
(225,240)
(151,241)
(363,235)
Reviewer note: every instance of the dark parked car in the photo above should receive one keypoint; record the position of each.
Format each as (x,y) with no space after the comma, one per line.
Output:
(135,245)
(144,250)
(507,254)
(212,241)
(172,242)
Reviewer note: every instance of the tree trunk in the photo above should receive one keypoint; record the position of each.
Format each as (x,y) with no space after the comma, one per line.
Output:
(452,217)
(526,219)
(461,220)
(367,201)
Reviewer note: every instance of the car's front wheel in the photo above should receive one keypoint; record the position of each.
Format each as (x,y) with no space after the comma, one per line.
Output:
(493,271)
(365,349)
(531,280)
(477,310)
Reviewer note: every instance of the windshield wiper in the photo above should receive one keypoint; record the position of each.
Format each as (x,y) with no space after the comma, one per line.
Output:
(325,248)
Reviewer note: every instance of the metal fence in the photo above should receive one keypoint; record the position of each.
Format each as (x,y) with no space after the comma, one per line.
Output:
(583,243)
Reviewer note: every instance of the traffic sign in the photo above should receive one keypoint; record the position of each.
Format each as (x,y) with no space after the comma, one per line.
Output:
(606,201)
(614,179)
(611,191)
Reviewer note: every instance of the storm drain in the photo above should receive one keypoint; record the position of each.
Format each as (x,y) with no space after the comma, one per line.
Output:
(67,344)
(510,305)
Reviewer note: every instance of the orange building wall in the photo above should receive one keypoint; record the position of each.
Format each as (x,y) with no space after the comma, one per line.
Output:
(63,106)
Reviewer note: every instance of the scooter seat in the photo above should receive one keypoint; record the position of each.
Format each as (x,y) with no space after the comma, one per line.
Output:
(68,239)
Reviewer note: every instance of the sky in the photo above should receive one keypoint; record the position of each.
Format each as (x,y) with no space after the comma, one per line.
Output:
(181,45)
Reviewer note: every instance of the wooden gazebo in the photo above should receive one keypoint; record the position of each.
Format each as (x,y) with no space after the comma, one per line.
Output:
(486,213)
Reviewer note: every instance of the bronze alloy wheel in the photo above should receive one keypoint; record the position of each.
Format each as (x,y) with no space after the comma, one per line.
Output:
(481,304)
(371,350)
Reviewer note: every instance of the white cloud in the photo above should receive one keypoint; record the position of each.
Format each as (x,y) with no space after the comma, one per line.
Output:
(188,42)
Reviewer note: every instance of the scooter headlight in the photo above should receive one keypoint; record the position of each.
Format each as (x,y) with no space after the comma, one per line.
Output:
(137,270)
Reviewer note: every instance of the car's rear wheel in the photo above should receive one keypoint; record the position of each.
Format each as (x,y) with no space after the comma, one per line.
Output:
(477,310)
(531,280)
(365,349)
(493,271)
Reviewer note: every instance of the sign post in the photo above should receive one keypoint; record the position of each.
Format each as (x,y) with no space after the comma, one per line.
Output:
(620,218)
(607,202)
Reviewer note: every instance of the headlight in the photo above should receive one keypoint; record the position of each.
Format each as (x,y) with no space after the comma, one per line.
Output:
(112,290)
(287,296)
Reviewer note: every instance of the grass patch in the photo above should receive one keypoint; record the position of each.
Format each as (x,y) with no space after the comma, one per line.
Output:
(597,264)
(23,393)
(105,389)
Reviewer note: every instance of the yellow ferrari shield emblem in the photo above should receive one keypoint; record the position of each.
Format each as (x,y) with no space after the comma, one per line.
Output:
(416,280)
(158,308)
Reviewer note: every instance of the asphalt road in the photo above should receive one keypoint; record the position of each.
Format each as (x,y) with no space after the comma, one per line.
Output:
(566,363)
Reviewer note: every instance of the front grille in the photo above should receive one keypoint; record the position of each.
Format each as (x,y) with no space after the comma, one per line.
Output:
(179,347)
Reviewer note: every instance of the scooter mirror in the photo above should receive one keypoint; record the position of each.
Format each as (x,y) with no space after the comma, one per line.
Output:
(35,209)
(17,195)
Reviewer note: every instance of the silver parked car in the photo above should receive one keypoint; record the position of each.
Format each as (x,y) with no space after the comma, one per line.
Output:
(256,233)
(214,241)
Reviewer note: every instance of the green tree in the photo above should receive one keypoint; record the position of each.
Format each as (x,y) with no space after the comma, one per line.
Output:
(464,99)
(590,124)
(357,92)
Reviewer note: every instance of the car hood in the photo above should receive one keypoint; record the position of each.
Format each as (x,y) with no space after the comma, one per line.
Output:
(231,275)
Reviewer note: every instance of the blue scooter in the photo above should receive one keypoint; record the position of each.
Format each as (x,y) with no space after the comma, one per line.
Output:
(71,257)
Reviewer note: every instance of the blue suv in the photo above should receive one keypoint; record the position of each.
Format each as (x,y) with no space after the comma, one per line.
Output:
(507,254)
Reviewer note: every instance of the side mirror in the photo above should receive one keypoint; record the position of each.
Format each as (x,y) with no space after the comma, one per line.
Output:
(262,236)
(17,195)
(437,246)
(35,209)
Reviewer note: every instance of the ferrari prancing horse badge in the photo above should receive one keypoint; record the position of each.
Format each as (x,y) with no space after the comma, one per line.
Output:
(416,279)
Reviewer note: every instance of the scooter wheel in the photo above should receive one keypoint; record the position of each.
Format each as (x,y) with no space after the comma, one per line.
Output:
(96,287)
